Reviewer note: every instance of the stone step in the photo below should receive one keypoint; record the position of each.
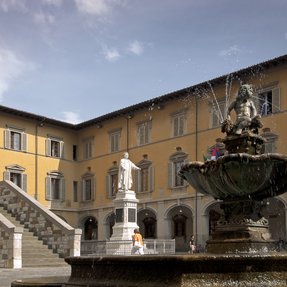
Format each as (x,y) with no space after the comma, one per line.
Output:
(34,252)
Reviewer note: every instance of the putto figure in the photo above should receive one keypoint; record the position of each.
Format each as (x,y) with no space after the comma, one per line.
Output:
(246,113)
(125,173)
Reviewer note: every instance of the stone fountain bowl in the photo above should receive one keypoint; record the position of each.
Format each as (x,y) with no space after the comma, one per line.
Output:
(239,176)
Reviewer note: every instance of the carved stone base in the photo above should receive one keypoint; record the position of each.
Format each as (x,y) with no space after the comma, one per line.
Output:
(245,143)
(241,228)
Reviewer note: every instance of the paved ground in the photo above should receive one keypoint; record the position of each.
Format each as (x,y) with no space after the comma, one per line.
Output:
(9,275)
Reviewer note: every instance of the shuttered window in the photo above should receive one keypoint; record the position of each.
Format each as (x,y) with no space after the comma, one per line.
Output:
(54,147)
(144,179)
(268,101)
(88,187)
(15,139)
(55,186)
(144,133)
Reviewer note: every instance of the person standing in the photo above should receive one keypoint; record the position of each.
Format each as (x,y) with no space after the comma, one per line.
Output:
(125,180)
(191,245)
(138,244)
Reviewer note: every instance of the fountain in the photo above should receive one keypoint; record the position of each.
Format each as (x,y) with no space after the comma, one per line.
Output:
(241,251)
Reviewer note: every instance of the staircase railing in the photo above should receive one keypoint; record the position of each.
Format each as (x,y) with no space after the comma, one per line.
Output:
(10,244)
(46,225)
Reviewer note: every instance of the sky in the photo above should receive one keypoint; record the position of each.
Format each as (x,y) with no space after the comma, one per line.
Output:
(75,60)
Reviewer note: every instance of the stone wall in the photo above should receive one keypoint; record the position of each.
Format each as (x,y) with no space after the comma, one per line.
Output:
(48,227)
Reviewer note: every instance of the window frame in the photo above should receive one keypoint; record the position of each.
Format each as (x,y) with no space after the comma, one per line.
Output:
(50,194)
(88,195)
(114,138)
(51,143)
(112,182)
(88,147)
(177,158)
(144,132)
(179,123)
(145,165)
(264,93)
(19,171)
(22,145)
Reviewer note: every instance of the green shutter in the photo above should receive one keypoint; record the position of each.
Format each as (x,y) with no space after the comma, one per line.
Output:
(24,142)
(63,189)
(6,175)
(170,175)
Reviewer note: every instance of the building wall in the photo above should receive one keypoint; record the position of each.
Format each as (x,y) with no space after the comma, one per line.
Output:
(163,202)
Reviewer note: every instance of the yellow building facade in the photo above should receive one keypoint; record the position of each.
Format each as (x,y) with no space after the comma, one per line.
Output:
(72,169)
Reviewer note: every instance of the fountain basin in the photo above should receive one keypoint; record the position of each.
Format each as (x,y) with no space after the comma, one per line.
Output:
(239,176)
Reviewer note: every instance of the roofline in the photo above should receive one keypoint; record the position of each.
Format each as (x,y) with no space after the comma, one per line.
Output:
(158,100)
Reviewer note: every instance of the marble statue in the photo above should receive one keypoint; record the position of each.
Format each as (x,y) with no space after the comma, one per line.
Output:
(125,173)
(246,113)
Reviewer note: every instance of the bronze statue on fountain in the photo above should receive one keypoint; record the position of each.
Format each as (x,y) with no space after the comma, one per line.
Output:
(242,180)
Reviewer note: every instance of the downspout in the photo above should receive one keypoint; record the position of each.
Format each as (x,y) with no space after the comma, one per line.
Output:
(196,158)
(36,162)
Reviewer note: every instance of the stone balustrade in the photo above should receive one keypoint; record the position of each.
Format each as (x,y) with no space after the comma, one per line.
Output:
(48,227)
(10,244)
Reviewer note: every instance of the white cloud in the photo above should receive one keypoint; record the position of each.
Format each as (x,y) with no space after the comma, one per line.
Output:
(71,117)
(56,3)
(231,51)
(11,67)
(111,54)
(42,18)
(94,7)
(7,5)
(136,47)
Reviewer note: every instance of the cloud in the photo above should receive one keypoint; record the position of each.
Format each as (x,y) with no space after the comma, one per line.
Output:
(56,3)
(11,68)
(231,51)
(42,18)
(136,48)
(111,54)
(94,7)
(71,117)
(7,5)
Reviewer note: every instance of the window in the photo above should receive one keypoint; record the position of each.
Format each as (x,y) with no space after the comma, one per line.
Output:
(218,113)
(112,181)
(15,173)
(54,147)
(55,186)
(88,187)
(15,139)
(75,191)
(75,153)
(268,101)
(174,166)
(179,124)
(144,133)
(115,141)
(144,180)
(88,148)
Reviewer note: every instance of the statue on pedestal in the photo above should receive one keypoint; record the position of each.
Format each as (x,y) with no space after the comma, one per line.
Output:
(125,173)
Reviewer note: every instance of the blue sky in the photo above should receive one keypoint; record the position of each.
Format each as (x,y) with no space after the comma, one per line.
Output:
(74,60)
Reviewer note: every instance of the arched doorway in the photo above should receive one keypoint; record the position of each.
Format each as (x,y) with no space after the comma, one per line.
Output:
(90,229)
(181,226)
(147,223)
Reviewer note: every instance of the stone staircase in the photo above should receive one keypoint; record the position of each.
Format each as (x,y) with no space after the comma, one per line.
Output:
(34,252)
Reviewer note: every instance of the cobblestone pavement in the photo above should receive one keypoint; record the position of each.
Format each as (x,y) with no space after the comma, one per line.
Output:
(7,276)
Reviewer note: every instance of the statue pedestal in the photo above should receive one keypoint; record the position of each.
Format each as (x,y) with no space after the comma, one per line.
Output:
(125,205)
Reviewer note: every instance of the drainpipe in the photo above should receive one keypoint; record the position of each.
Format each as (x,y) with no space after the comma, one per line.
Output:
(196,158)
(41,124)
(36,162)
